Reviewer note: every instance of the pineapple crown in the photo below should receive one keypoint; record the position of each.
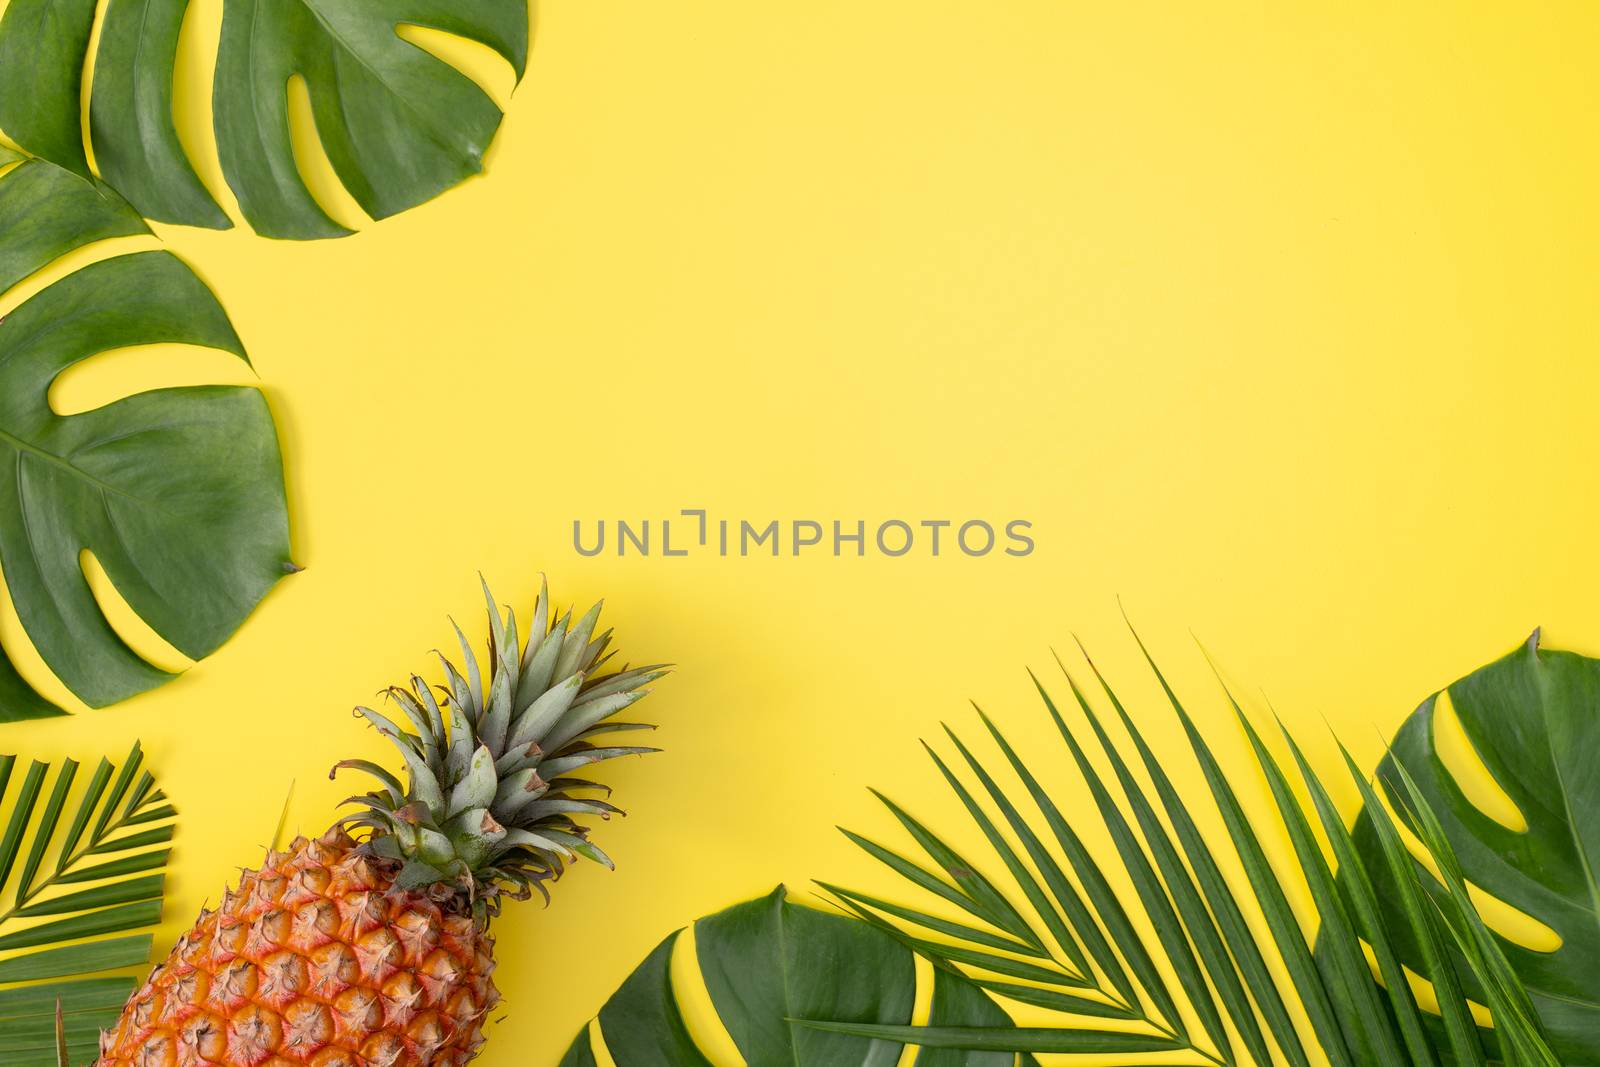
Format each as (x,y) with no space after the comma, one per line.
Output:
(491,808)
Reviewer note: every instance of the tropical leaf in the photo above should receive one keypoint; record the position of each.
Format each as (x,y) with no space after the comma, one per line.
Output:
(81,885)
(399,125)
(1200,929)
(1148,947)
(1533,718)
(767,962)
(178,493)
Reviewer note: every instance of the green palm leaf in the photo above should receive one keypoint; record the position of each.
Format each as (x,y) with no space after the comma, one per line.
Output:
(1148,948)
(1200,926)
(80,887)
(399,125)
(178,493)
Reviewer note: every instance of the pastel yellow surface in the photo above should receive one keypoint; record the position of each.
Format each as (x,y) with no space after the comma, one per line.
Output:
(1277,321)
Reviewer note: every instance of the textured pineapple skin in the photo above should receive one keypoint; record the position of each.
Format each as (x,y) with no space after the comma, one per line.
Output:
(314,959)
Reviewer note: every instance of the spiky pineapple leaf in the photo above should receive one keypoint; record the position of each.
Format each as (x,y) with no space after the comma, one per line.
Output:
(489,798)
(178,493)
(398,125)
(81,880)
(769,962)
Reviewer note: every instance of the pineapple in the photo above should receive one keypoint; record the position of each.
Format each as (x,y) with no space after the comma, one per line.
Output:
(369,946)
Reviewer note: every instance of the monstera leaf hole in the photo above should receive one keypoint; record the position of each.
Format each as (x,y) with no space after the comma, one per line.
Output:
(36,270)
(488,69)
(313,165)
(1460,762)
(1468,774)
(1471,775)
(694,999)
(193,139)
(133,631)
(686,986)
(1512,923)
(109,376)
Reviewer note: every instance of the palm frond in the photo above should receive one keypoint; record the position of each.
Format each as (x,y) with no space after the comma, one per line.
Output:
(80,884)
(1193,974)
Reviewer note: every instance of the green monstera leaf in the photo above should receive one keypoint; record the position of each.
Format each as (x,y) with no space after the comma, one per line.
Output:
(178,493)
(769,962)
(398,124)
(81,881)
(1533,718)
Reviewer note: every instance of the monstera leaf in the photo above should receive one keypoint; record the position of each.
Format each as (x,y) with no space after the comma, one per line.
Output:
(1056,931)
(1534,719)
(81,882)
(178,493)
(399,125)
(769,961)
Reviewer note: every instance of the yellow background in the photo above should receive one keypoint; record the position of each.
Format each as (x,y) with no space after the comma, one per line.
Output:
(1278,321)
